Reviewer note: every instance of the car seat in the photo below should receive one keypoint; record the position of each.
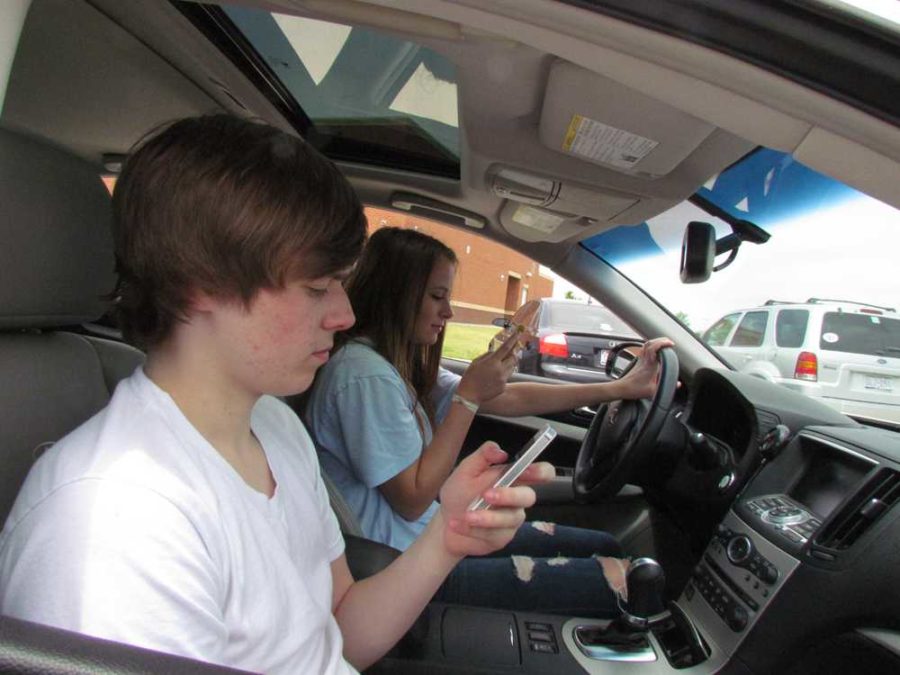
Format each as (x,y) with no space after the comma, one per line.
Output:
(56,262)
(57,275)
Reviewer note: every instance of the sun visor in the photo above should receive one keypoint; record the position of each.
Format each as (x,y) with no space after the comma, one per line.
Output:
(601,121)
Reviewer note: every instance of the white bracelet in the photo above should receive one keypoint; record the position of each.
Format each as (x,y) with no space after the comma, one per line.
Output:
(470,405)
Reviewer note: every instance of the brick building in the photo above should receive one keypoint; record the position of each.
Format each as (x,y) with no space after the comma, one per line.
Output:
(492,280)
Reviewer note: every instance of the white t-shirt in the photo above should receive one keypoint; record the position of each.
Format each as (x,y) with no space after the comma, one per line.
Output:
(135,529)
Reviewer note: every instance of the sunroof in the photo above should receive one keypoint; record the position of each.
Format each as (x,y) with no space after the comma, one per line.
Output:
(371,97)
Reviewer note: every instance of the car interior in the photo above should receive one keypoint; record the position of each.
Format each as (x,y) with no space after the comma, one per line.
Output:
(771,518)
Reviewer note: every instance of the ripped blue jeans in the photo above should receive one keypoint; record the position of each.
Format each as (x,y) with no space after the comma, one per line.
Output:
(545,568)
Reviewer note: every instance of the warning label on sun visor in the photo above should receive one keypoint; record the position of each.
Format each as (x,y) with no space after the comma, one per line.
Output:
(602,143)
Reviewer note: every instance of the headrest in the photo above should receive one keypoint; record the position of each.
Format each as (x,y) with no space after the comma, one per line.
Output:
(56,250)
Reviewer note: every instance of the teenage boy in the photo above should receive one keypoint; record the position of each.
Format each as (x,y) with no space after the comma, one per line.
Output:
(189,515)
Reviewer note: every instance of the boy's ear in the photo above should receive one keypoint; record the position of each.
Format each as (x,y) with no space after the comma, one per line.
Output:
(200,301)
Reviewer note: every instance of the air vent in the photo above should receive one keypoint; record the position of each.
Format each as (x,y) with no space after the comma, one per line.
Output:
(849,525)
(765,422)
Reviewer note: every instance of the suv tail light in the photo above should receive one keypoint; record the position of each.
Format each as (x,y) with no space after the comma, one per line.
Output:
(807,367)
(554,345)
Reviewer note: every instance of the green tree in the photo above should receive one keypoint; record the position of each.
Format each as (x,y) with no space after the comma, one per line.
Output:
(570,295)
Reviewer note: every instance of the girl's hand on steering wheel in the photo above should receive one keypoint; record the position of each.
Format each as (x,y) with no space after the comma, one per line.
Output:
(642,379)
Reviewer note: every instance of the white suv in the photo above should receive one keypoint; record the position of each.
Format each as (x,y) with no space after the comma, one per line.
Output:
(845,353)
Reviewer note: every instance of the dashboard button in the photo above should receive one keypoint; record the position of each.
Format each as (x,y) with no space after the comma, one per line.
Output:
(793,536)
(540,636)
(822,555)
(544,647)
(740,548)
(736,618)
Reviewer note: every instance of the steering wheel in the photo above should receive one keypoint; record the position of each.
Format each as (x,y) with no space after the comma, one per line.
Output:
(623,435)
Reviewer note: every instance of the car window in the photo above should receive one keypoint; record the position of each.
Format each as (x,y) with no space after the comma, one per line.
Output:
(790,327)
(860,334)
(752,330)
(716,335)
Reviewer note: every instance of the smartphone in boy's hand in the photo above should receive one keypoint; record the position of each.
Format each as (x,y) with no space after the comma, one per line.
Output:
(523,460)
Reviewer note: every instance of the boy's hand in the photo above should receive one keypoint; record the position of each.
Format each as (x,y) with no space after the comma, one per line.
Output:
(485,531)
(641,380)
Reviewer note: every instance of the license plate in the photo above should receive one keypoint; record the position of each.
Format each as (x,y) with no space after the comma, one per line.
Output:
(879,383)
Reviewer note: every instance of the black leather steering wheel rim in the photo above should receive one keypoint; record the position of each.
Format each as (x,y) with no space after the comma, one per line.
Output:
(622,436)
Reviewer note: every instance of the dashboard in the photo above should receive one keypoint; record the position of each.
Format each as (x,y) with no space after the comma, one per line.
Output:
(795,568)
(808,549)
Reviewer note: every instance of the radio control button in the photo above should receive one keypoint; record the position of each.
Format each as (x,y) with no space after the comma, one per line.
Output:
(736,618)
(739,550)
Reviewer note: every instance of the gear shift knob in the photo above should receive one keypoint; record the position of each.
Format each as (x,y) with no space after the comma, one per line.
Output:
(646,586)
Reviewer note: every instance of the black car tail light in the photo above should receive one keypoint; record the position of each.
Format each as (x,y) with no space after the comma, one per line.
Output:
(554,344)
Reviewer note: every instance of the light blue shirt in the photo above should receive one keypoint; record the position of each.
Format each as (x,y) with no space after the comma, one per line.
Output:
(364,422)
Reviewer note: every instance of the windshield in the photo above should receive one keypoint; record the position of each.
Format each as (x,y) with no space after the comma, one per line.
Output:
(812,308)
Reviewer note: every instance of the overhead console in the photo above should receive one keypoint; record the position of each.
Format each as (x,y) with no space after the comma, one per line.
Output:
(545,207)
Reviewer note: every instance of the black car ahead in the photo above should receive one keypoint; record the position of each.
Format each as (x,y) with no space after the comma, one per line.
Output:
(565,339)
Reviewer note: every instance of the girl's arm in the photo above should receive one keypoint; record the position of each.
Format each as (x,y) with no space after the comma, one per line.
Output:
(413,490)
(527,398)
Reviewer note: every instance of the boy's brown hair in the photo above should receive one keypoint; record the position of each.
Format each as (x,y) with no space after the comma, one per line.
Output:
(225,206)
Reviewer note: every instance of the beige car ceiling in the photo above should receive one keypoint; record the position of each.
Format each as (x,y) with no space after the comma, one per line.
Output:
(571,122)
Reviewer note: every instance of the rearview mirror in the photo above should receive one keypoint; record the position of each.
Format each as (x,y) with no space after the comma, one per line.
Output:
(699,247)
(698,252)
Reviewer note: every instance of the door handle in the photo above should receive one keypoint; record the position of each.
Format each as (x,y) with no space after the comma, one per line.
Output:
(585,411)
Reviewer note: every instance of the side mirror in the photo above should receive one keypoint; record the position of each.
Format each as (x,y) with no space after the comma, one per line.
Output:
(500,322)
(621,358)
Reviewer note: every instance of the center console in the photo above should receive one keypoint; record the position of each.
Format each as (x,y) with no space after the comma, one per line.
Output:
(786,518)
